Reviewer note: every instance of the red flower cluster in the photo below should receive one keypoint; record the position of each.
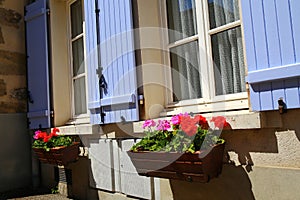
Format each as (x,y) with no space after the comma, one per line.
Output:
(220,122)
(40,135)
(190,125)
(199,119)
(187,123)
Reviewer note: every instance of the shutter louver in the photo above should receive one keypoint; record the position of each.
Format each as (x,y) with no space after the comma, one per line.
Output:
(271,30)
(115,97)
(38,65)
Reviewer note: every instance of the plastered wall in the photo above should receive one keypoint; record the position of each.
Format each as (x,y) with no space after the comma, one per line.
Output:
(258,164)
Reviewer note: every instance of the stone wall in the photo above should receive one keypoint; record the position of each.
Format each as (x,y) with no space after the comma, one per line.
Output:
(15,150)
(13,92)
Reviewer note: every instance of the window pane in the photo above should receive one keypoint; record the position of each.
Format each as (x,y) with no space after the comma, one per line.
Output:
(76,18)
(77,50)
(186,71)
(222,12)
(79,96)
(181,19)
(228,58)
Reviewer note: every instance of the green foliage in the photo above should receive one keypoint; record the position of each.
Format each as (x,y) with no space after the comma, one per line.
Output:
(53,142)
(54,190)
(176,141)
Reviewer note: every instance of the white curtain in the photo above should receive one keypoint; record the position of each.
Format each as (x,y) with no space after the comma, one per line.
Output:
(181,19)
(229,67)
(186,71)
(184,58)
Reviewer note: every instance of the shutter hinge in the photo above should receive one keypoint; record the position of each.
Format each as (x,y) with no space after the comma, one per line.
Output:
(141,99)
(51,113)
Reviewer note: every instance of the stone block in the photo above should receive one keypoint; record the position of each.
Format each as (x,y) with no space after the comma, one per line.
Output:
(12,63)
(2,88)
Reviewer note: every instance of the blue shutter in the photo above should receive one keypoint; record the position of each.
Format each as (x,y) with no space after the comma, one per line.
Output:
(37,65)
(91,57)
(272,38)
(116,100)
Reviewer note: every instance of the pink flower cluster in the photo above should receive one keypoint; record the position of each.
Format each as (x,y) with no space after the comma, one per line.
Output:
(149,123)
(163,125)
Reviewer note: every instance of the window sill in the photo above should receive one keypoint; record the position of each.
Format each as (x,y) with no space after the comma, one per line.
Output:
(222,104)
(82,129)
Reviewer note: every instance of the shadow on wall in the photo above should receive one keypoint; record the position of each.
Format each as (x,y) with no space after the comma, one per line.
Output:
(233,183)
(241,142)
(15,152)
(81,180)
(290,121)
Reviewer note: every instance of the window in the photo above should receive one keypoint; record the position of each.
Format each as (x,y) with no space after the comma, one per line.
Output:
(77,58)
(206,48)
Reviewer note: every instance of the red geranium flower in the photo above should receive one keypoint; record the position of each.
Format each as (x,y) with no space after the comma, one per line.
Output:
(199,119)
(188,125)
(54,132)
(47,138)
(220,122)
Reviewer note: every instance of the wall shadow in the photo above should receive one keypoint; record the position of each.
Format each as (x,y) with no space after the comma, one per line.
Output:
(232,184)
(81,180)
(290,121)
(242,142)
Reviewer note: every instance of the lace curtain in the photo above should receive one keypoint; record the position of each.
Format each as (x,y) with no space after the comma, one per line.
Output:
(229,70)
(185,57)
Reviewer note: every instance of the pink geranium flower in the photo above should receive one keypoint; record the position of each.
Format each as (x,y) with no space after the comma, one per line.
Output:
(148,124)
(175,120)
(163,125)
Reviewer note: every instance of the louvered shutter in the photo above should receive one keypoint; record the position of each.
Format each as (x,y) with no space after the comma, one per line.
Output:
(91,56)
(273,52)
(114,99)
(37,65)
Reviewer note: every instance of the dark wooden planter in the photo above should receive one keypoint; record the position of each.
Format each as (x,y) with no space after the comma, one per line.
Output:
(198,167)
(58,155)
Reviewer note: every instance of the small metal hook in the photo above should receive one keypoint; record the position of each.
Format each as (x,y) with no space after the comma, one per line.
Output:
(281,106)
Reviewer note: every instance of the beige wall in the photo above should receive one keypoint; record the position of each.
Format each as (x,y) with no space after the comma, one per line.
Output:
(150,66)
(258,164)
(59,62)
(12,57)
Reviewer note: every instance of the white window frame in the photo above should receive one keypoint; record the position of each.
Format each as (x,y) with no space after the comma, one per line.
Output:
(209,101)
(84,117)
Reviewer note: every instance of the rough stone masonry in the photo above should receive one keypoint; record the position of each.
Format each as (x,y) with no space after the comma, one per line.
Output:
(12,63)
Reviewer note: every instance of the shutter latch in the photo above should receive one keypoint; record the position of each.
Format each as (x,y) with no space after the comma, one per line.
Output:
(29,97)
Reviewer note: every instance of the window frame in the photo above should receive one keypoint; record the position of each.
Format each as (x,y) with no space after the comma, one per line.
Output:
(237,101)
(84,117)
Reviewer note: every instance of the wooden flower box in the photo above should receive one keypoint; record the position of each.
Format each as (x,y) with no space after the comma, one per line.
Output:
(58,155)
(198,167)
